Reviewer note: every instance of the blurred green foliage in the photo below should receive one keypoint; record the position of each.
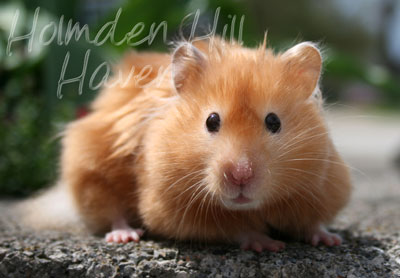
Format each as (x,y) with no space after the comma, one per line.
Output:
(32,115)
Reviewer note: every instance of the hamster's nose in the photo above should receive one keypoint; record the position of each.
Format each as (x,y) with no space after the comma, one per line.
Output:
(240,173)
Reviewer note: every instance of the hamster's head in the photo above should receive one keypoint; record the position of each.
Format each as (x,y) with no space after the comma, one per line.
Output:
(246,128)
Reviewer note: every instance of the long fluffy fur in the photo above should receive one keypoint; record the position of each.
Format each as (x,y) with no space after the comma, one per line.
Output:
(143,152)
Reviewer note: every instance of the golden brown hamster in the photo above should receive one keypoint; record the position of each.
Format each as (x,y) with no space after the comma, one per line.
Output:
(214,142)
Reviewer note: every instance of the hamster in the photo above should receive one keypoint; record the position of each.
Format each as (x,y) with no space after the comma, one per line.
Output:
(214,142)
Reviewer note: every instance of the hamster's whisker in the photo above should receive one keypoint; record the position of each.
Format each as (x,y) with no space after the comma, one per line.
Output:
(193,175)
(221,229)
(269,171)
(369,117)
(322,177)
(275,200)
(225,177)
(297,142)
(289,151)
(194,196)
(222,200)
(179,197)
(307,191)
(212,201)
(334,105)
(305,198)
(223,194)
(302,133)
(320,205)
(328,161)
(198,185)
(283,173)
(200,210)
(288,195)
(295,145)
(300,182)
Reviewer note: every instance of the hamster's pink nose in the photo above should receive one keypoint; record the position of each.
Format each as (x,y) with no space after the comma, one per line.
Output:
(240,173)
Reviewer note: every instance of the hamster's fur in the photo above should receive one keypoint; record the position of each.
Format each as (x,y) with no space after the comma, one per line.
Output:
(145,158)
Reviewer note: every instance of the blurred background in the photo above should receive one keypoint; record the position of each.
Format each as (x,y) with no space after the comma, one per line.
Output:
(360,39)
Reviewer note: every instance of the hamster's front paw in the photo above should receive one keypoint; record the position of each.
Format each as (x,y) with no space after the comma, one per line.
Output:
(124,235)
(322,235)
(258,242)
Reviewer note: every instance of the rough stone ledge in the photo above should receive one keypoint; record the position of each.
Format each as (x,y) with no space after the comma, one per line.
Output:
(53,254)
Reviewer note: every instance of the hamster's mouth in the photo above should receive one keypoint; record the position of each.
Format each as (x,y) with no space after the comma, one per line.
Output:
(241,202)
(241,199)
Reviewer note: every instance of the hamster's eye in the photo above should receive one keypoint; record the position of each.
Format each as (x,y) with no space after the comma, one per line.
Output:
(273,123)
(213,122)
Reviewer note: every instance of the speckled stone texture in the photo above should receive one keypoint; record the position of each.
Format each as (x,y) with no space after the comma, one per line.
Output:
(61,255)
(370,227)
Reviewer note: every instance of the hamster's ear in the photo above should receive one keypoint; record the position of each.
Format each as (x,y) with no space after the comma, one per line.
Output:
(187,64)
(303,64)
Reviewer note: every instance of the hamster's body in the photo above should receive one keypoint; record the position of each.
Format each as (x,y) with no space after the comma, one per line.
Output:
(187,152)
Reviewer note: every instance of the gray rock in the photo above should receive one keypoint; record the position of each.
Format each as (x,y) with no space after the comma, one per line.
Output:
(53,254)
